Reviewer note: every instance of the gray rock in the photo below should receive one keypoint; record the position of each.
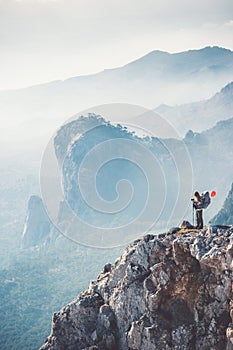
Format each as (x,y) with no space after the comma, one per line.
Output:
(186,224)
(37,224)
(164,292)
(173,230)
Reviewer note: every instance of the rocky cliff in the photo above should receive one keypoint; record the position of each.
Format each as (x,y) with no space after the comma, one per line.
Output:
(86,134)
(37,224)
(169,291)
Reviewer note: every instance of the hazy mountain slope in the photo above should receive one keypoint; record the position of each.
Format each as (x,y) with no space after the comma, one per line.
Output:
(225,215)
(65,268)
(210,152)
(37,283)
(156,78)
(17,183)
(201,115)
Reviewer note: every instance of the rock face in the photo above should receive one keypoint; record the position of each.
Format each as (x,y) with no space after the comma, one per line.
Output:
(37,225)
(225,215)
(168,291)
(74,140)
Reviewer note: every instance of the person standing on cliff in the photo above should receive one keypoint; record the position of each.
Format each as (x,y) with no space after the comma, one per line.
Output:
(198,206)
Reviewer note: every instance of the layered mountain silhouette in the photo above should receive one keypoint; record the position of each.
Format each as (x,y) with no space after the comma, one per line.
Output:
(210,154)
(30,116)
(225,215)
(156,78)
(200,115)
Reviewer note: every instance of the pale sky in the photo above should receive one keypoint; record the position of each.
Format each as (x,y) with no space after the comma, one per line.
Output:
(45,40)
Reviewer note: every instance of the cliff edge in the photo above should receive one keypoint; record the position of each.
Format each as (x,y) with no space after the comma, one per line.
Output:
(166,291)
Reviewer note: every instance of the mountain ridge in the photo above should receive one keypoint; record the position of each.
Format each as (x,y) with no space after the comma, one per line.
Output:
(213,145)
(207,112)
(141,58)
(147,82)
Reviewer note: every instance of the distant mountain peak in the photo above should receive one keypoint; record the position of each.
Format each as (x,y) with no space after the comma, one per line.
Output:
(157,53)
(215,47)
(209,49)
(150,56)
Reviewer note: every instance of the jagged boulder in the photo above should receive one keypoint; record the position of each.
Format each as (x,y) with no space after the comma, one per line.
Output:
(88,324)
(166,291)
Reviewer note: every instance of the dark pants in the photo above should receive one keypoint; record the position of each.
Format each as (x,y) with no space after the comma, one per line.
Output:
(199,218)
